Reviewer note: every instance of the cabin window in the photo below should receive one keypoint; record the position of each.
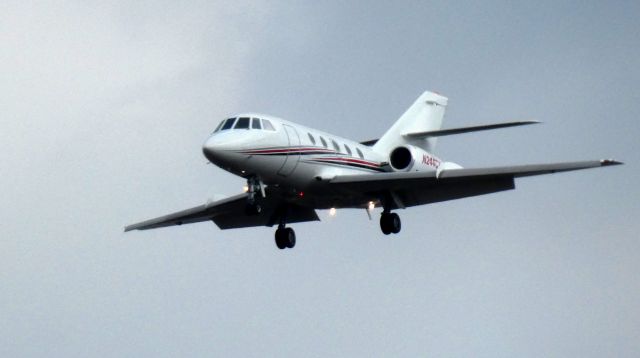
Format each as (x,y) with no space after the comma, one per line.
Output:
(348,149)
(266,124)
(255,123)
(335,145)
(228,124)
(243,123)
(359,153)
(324,142)
(313,140)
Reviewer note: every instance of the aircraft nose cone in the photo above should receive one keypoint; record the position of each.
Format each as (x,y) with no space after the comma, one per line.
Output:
(217,149)
(210,147)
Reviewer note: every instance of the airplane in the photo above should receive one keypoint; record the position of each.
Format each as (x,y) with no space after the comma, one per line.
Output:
(292,170)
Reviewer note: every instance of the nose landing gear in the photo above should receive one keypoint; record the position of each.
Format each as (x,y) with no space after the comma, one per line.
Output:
(254,186)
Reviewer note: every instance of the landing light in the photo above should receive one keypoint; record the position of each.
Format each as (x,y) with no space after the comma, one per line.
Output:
(332,211)
(371,206)
(245,188)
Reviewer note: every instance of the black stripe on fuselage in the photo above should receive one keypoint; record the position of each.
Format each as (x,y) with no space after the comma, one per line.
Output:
(346,161)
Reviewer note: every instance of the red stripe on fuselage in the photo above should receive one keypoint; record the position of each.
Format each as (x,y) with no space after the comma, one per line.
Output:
(349,160)
(313,150)
(285,150)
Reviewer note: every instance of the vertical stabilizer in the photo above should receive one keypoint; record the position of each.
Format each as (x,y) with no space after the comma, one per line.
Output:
(425,114)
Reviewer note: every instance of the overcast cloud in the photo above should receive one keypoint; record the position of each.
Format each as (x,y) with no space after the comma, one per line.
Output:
(103,110)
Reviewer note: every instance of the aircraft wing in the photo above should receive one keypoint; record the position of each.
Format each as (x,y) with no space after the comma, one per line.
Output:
(230,213)
(416,188)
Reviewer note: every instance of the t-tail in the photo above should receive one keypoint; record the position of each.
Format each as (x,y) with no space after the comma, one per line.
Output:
(412,138)
(424,115)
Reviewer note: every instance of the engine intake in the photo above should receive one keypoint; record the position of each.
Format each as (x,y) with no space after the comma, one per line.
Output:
(401,158)
(409,158)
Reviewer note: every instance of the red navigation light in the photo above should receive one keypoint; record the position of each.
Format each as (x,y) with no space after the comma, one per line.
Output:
(301,194)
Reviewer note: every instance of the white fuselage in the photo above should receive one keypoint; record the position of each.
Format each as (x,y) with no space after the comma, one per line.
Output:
(289,154)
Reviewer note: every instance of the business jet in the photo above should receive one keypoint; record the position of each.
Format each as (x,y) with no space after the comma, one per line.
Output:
(292,170)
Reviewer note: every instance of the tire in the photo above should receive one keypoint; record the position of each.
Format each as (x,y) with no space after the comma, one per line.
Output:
(394,223)
(280,239)
(290,238)
(384,224)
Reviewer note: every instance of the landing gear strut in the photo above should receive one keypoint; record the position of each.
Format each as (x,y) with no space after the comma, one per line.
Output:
(390,223)
(254,187)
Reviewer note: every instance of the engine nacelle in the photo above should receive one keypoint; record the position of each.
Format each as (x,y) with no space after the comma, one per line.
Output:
(408,158)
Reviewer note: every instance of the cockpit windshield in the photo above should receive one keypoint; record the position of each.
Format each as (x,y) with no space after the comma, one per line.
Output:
(245,123)
(228,124)
(219,125)
(266,124)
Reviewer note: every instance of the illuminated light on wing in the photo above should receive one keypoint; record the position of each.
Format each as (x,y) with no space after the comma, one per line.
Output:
(332,212)
(371,206)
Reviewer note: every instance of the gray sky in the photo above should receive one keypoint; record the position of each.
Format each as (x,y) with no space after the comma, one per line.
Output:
(104,109)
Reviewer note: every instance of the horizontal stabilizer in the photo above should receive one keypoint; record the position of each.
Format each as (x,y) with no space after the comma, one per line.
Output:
(445,132)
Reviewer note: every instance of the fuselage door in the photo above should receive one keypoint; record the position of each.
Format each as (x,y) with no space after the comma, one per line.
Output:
(292,157)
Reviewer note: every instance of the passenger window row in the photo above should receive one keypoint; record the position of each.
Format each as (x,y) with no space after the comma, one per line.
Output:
(261,123)
(245,123)
(335,146)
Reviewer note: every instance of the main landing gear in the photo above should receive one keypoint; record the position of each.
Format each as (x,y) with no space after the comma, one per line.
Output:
(390,223)
(285,237)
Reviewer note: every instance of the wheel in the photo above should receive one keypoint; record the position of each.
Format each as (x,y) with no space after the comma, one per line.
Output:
(394,223)
(290,237)
(390,223)
(280,239)
(384,224)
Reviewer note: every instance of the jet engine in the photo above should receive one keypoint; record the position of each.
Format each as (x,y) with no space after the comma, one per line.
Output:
(408,158)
